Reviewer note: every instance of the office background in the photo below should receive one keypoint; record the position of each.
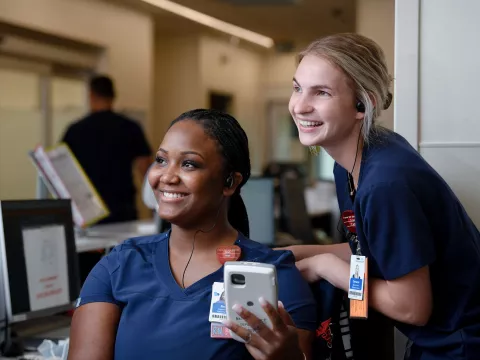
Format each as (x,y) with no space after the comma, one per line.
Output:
(163,64)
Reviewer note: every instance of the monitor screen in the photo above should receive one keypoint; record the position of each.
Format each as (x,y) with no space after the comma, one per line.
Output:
(258,196)
(39,260)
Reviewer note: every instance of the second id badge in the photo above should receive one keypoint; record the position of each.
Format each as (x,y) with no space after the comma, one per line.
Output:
(218,309)
(357,277)
(358,287)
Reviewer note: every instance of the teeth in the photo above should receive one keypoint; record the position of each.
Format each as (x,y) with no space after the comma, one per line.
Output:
(309,123)
(172,195)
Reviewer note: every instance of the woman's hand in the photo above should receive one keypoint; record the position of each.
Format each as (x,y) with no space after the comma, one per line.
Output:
(263,343)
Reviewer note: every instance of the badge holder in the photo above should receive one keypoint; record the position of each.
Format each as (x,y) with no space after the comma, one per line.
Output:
(358,283)
(358,289)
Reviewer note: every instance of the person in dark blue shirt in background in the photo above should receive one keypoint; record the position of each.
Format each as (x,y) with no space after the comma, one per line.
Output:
(108,146)
(150,297)
(422,247)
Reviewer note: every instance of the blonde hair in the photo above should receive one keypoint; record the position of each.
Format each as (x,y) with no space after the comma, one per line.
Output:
(363,61)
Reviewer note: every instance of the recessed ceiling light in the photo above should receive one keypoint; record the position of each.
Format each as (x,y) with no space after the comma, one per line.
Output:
(212,22)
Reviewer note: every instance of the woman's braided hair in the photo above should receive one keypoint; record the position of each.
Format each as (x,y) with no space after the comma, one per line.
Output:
(233,145)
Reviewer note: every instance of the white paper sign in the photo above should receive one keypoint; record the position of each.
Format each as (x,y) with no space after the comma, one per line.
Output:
(46,261)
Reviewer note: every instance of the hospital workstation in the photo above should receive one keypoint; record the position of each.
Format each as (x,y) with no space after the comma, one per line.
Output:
(41,249)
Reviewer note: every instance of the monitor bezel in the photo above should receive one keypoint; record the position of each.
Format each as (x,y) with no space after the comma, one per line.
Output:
(15,318)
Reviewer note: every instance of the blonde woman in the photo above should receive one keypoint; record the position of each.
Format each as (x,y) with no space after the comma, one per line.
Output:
(422,247)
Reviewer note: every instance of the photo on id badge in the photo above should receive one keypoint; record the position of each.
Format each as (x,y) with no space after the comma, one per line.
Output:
(357,274)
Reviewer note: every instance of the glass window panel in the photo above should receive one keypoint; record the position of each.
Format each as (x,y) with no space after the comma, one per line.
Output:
(69,103)
(21,128)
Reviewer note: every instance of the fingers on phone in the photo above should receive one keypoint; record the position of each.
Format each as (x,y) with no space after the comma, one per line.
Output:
(257,325)
(274,315)
(245,334)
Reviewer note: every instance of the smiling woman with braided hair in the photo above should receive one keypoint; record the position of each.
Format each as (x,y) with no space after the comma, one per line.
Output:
(150,297)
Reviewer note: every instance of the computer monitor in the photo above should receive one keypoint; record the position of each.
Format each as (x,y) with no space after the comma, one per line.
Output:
(297,219)
(258,196)
(39,261)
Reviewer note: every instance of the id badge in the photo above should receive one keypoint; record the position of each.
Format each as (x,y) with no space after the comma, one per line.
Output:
(358,286)
(218,313)
(218,309)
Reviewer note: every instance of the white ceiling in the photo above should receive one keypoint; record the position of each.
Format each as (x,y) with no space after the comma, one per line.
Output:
(299,23)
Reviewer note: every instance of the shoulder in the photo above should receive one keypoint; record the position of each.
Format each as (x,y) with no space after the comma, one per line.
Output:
(126,121)
(257,252)
(77,124)
(133,250)
(392,163)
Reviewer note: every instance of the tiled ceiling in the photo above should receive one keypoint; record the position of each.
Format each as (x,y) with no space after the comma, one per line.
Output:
(299,23)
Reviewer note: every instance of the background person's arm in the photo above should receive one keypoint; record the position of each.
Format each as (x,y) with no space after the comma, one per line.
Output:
(93,332)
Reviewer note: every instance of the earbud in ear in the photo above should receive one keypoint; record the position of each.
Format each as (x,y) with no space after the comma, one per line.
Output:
(229,181)
(360,107)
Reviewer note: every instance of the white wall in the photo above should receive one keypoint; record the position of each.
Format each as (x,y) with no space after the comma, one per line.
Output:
(126,35)
(227,68)
(177,80)
(188,68)
(376,20)
(442,74)
(278,71)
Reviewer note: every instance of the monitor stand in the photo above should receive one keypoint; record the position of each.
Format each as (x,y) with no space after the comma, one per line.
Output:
(12,345)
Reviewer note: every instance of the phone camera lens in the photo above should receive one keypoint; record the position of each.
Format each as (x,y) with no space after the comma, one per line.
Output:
(250,303)
(238,279)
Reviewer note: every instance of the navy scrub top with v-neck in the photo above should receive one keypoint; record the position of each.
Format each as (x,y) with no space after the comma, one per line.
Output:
(407,218)
(160,320)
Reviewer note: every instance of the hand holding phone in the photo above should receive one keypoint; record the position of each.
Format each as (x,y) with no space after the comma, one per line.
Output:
(264,326)
(245,284)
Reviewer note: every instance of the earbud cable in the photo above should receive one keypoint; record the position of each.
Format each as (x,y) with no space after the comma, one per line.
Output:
(193,243)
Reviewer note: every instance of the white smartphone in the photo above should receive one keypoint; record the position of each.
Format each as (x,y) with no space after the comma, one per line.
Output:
(245,282)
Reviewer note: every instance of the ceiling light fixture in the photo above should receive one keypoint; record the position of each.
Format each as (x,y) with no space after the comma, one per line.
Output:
(212,22)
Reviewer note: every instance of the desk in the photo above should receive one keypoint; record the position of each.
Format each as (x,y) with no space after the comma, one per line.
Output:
(104,237)
(56,327)
(124,230)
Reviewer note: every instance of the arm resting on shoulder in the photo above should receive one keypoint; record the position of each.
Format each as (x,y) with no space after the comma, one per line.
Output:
(407,299)
(301,252)
(93,331)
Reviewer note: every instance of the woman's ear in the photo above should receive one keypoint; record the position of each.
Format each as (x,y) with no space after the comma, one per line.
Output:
(231,183)
(361,107)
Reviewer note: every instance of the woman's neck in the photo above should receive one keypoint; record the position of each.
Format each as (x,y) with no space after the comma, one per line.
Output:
(348,154)
(207,238)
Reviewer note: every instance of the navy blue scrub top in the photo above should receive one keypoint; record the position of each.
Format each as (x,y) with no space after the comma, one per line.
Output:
(161,320)
(407,217)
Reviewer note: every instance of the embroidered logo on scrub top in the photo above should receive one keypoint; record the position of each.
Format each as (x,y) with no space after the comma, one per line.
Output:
(348,218)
